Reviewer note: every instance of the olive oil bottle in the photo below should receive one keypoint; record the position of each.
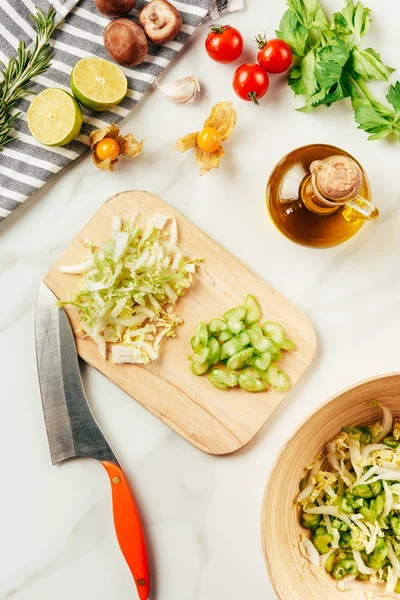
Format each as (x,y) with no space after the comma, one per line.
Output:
(319,196)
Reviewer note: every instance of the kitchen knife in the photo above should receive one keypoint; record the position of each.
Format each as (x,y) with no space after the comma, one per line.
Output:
(73,432)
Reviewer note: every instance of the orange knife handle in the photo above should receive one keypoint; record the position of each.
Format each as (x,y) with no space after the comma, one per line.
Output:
(129,529)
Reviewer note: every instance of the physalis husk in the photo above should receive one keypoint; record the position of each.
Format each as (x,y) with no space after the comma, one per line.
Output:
(128,146)
(222,118)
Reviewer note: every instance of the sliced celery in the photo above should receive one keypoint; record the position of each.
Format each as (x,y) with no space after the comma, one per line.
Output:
(230,348)
(288,345)
(215,351)
(248,350)
(217,325)
(249,380)
(253,314)
(224,336)
(201,334)
(198,368)
(223,379)
(235,325)
(238,360)
(276,378)
(238,313)
(244,338)
(196,347)
(202,355)
(275,332)
(260,342)
(262,361)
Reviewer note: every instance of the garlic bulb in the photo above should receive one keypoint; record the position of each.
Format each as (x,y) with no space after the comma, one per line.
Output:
(181,90)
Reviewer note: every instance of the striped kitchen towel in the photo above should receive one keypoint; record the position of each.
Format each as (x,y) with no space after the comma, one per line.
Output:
(25,165)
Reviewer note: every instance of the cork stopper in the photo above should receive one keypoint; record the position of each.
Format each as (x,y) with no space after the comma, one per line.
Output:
(337,178)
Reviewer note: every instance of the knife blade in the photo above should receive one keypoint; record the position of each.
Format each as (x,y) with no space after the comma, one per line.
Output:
(72,430)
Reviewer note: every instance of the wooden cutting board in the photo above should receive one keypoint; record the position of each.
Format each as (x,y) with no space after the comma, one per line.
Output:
(213,420)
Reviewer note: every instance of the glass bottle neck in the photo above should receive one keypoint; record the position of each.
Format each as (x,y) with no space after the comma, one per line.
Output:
(313,200)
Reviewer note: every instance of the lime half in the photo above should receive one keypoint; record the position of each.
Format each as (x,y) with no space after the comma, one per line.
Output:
(98,84)
(54,117)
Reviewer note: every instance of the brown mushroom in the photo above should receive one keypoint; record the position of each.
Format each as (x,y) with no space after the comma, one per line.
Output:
(160,21)
(114,8)
(125,42)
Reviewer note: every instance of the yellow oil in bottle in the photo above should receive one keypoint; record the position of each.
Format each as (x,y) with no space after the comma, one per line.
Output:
(293,210)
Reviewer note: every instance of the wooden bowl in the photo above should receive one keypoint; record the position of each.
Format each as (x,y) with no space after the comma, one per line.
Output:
(292,576)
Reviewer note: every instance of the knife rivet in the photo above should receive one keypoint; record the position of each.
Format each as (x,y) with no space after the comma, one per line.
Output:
(116,480)
(141,582)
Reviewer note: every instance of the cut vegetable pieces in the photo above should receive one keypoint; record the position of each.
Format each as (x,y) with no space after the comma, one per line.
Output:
(244,338)
(201,334)
(217,325)
(253,310)
(237,314)
(199,368)
(260,343)
(230,348)
(215,351)
(261,362)
(235,326)
(222,379)
(248,350)
(196,347)
(288,345)
(275,332)
(250,380)
(238,360)
(276,378)
(224,336)
(202,356)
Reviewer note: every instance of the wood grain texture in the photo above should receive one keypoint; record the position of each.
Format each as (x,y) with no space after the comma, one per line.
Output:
(218,422)
(292,576)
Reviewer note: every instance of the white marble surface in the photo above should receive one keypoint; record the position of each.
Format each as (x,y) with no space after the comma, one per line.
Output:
(201,513)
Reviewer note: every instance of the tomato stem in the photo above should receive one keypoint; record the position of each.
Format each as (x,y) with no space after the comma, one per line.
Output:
(253,96)
(219,28)
(261,40)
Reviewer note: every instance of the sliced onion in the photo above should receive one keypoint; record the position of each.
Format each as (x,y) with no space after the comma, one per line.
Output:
(308,490)
(311,552)
(368,474)
(388,500)
(372,448)
(355,455)
(333,511)
(372,539)
(357,519)
(361,566)
(387,423)
(385,475)
(77,269)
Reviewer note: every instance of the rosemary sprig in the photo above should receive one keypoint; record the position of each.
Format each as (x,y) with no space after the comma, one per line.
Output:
(22,68)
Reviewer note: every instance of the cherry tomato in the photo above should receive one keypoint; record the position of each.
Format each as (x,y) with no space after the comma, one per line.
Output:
(224,43)
(250,82)
(107,148)
(274,56)
(209,139)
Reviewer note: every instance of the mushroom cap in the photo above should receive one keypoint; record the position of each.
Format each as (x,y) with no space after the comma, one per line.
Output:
(160,21)
(114,8)
(338,177)
(126,42)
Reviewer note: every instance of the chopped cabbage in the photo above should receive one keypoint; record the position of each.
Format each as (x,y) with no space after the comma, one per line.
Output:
(129,287)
